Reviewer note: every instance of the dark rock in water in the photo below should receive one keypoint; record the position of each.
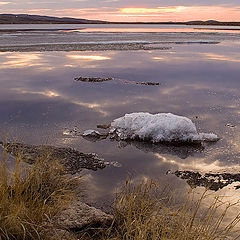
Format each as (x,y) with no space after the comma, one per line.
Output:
(125,81)
(99,79)
(73,160)
(213,181)
(93,79)
(93,135)
(148,83)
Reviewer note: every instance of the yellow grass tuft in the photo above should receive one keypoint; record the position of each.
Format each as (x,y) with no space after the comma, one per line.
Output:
(143,212)
(29,199)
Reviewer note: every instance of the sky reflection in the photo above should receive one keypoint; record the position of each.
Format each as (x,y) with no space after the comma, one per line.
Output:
(39,99)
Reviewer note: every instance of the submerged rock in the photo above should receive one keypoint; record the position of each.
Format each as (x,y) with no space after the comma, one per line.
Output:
(161,127)
(213,181)
(73,160)
(93,79)
(148,83)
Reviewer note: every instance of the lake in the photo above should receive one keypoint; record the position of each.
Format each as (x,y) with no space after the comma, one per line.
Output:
(198,75)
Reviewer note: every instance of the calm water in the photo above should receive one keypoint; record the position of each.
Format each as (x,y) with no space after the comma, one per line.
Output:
(39,99)
(122,27)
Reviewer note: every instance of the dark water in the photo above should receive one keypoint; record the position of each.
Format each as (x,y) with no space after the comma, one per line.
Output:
(39,99)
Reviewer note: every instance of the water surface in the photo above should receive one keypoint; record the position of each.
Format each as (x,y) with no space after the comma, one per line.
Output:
(39,99)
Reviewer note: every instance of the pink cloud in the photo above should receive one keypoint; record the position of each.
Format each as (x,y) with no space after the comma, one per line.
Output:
(173,13)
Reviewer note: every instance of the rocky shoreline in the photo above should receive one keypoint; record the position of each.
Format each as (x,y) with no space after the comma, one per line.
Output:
(73,160)
(212,181)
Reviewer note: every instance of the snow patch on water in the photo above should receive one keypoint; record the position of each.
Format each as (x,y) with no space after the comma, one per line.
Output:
(161,127)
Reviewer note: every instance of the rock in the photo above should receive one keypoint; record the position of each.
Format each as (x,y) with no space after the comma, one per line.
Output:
(213,181)
(93,135)
(125,81)
(79,216)
(148,83)
(93,79)
(73,160)
(104,126)
(53,233)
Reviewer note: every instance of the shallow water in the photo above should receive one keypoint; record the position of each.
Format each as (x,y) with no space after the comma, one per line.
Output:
(118,27)
(39,99)
(36,36)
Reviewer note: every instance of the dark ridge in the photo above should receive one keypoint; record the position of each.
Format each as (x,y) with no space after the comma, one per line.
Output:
(37,19)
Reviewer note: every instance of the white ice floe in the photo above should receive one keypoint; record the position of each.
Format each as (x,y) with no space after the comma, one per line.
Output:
(91,133)
(161,127)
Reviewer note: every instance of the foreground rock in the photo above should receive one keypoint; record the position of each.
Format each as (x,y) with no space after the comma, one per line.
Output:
(162,127)
(73,160)
(213,181)
(79,216)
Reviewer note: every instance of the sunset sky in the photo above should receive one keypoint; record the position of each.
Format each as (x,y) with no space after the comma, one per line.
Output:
(129,10)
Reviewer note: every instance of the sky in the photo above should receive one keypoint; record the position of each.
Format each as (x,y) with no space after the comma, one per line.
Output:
(128,10)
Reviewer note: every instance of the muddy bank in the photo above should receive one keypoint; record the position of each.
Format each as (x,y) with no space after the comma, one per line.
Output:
(80,47)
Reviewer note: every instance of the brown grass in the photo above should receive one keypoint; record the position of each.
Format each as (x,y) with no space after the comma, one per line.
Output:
(143,212)
(29,200)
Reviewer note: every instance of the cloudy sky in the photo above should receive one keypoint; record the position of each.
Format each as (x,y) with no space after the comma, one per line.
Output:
(129,10)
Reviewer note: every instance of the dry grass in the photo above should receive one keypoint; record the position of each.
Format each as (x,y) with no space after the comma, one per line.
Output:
(28,201)
(143,212)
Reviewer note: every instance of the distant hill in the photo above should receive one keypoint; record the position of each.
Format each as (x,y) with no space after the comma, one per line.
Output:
(213,22)
(36,19)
